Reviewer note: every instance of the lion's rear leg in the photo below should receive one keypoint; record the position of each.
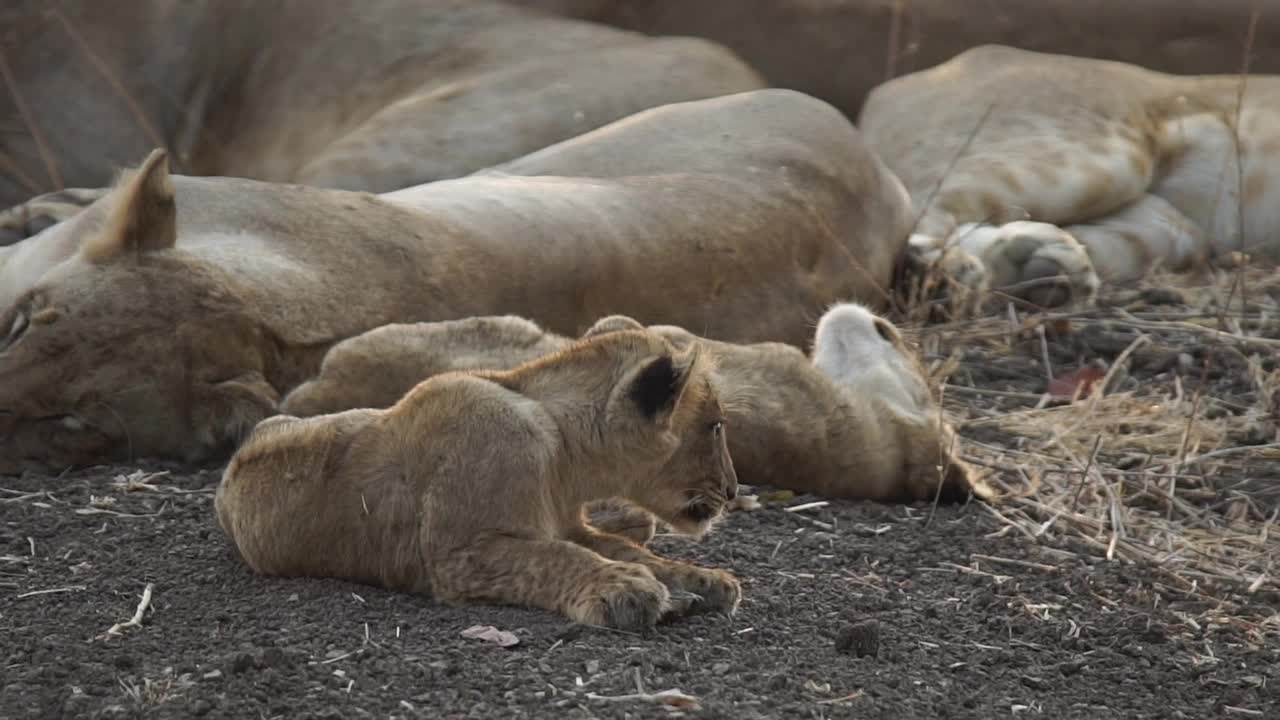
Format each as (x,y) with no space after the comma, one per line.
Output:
(1149,234)
(1018,190)
(715,590)
(555,575)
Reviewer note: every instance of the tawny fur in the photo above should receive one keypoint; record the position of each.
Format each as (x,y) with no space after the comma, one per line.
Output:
(838,50)
(858,420)
(471,487)
(348,97)
(1029,166)
(744,215)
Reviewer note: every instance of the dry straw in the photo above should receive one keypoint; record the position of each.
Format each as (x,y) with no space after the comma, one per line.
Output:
(1179,471)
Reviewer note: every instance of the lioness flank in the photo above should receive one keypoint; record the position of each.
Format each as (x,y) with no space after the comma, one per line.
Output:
(471,487)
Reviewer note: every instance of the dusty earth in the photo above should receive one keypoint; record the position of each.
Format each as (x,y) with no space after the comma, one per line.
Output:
(850,610)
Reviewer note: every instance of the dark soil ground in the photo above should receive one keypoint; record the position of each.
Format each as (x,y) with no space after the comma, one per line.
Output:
(953,615)
(969,626)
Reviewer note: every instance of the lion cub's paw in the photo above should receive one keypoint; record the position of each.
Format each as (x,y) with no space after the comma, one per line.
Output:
(619,517)
(625,596)
(715,590)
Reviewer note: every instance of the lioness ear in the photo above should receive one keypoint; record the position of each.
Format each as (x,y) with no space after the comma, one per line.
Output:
(658,386)
(612,323)
(143,218)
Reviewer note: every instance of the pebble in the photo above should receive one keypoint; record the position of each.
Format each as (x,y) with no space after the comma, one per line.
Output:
(860,639)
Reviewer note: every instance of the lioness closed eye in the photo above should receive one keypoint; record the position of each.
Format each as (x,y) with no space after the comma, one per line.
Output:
(471,488)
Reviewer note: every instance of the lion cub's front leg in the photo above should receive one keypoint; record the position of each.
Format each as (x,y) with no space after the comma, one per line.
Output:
(716,590)
(617,516)
(554,575)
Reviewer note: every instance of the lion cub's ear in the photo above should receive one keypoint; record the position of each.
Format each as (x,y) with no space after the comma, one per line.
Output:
(143,217)
(612,323)
(657,387)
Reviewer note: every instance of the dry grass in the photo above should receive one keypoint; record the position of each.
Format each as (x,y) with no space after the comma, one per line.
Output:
(1178,470)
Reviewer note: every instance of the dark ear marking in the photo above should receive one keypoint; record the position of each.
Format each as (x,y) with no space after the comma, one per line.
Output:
(884,330)
(657,386)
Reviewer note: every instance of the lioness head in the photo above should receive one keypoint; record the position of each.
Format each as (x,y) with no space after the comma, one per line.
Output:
(672,394)
(101,352)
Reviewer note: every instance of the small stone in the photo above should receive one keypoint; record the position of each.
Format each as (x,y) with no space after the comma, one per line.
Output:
(860,640)
(720,668)
(242,663)
(124,662)
(593,667)
(569,632)
(1033,682)
(201,708)
(1163,296)
(273,657)
(212,675)
(1071,667)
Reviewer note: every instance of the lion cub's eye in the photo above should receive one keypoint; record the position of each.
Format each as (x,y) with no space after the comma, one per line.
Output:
(16,329)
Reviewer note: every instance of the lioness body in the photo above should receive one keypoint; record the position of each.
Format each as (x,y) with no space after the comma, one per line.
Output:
(332,94)
(415,498)
(176,331)
(857,421)
(838,50)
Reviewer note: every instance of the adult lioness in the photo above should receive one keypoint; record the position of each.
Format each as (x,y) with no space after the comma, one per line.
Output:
(856,421)
(838,50)
(339,94)
(1041,165)
(171,315)
(415,497)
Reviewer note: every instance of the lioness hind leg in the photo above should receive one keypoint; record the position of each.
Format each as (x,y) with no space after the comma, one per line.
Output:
(714,590)
(1151,233)
(620,517)
(44,211)
(554,575)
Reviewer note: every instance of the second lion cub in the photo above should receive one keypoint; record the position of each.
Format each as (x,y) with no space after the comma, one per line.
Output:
(471,487)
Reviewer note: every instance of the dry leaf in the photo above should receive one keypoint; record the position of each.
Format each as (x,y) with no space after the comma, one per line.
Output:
(489,633)
(1066,385)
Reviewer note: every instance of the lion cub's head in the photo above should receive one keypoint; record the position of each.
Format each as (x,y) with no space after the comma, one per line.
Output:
(668,399)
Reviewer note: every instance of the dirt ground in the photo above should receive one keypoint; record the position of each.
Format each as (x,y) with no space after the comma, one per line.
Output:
(853,609)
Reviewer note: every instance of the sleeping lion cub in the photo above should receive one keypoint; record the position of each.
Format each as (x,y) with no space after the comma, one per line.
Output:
(471,487)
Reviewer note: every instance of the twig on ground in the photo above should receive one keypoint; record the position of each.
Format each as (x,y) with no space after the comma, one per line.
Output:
(136,620)
(50,591)
(670,698)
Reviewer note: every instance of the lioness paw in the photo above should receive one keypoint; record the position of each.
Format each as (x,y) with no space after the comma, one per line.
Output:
(625,596)
(1035,261)
(946,270)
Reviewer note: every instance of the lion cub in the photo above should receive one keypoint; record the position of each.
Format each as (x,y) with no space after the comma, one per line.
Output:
(471,487)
